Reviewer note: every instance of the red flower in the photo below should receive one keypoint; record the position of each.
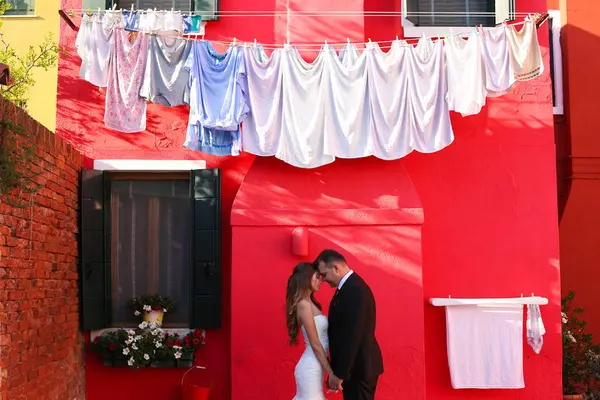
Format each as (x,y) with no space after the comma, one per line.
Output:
(197,333)
(196,341)
(178,342)
(176,335)
(112,347)
(96,339)
(169,343)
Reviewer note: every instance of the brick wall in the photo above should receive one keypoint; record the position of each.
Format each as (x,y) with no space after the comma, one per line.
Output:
(40,343)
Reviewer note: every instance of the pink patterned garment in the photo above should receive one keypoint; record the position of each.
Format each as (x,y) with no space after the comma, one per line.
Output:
(125,110)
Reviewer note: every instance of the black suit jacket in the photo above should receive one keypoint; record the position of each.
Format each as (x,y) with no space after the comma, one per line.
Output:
(354,351)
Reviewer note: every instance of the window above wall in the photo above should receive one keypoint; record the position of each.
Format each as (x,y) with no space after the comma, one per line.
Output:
(436,18)
(20,8)
(208,8)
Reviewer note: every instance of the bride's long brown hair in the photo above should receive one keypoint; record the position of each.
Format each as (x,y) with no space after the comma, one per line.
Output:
(297,288)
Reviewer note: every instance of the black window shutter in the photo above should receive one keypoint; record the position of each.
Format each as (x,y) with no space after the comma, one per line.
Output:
(205,192)
(95,259)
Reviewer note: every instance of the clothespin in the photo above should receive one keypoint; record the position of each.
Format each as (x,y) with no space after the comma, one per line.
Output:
(348,40)
(521,295)
(89,13)
(114,6)
(234,40)
(132,7)
(98,11)
(449,296)
(254,42)
(396,38)
(476,32)
(532,294)
(325,42)
(172,9)
(369,40)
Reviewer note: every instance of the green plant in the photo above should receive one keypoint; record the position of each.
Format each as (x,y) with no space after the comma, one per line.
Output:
(145,347)
(581,360)
(17,156)
(22,67)
(147,303)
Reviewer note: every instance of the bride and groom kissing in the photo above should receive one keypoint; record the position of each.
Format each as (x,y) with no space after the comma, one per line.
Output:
(348,334)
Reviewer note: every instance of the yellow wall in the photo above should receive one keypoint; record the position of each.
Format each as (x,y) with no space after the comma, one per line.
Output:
(24,31)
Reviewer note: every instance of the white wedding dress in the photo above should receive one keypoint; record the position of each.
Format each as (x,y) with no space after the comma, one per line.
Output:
(309,373)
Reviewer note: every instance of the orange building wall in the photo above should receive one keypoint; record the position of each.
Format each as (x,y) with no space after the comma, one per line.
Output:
(580,219)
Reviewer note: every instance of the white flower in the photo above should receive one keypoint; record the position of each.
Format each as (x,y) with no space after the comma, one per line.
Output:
(131,332)
(158,344)
(152,325)
(164,310)
(178,355)
(564,318)
(147,308)
(131,361)
(177,347)
(143,325)
(571,337)
(156,332)
(146,357)
(137,313)
(134,347)
(125,351)
(129,341)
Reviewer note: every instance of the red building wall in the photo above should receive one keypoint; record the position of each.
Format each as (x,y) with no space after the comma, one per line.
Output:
(489,203)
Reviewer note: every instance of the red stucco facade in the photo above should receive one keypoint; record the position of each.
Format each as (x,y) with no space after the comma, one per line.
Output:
(476,219)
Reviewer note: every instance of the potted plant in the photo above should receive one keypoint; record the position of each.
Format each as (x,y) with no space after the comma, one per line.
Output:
(141,348)
(152,307)
(581,356)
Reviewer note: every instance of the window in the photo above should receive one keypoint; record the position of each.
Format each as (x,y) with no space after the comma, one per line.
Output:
(20,7)
(208,8)
(150,233)
(435,17)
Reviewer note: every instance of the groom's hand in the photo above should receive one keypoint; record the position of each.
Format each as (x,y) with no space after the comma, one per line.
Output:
(334,382)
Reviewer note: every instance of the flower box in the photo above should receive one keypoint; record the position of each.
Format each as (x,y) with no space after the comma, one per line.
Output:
(114,359)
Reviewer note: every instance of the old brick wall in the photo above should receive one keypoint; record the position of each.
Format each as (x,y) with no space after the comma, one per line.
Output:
(40,343)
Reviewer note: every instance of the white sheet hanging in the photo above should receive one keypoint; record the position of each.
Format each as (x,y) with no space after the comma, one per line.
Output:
(499,75)
(485,346)
(466,74)
(94,45)
(375,103)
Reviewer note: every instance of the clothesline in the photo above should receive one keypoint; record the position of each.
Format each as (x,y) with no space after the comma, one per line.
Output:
(315,13)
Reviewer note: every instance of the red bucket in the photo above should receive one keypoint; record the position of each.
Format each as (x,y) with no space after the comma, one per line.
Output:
(194,392)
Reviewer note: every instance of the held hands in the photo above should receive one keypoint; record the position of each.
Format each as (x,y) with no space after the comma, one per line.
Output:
(334,383)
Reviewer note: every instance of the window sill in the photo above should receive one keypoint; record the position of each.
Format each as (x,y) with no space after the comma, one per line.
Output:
(179,331)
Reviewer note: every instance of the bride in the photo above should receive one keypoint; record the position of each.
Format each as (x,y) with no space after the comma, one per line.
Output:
(304,313)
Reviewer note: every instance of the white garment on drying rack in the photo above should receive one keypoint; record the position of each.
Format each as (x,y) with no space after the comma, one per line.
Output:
(466,74)
(525,53)
(485,346)
(499,75)
(151,21)
(535,328)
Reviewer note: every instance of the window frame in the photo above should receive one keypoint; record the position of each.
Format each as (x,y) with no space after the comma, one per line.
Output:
(212,17)
(412,31)
(20,13)
(206,280)
(112,176)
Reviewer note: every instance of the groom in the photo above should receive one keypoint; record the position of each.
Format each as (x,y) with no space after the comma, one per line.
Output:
(355,355)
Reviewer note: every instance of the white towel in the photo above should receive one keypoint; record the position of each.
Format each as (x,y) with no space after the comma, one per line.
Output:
(535,328)
(485,346)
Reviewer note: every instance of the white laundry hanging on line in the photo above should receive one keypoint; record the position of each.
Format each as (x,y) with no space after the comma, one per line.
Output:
(525,52)
(466,74)
(125,110)
(499,75)
(375,103)
(94,45)
(485,346)
(535,328)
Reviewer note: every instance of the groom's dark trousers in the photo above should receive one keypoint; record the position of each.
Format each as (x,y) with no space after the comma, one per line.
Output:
(355,354)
